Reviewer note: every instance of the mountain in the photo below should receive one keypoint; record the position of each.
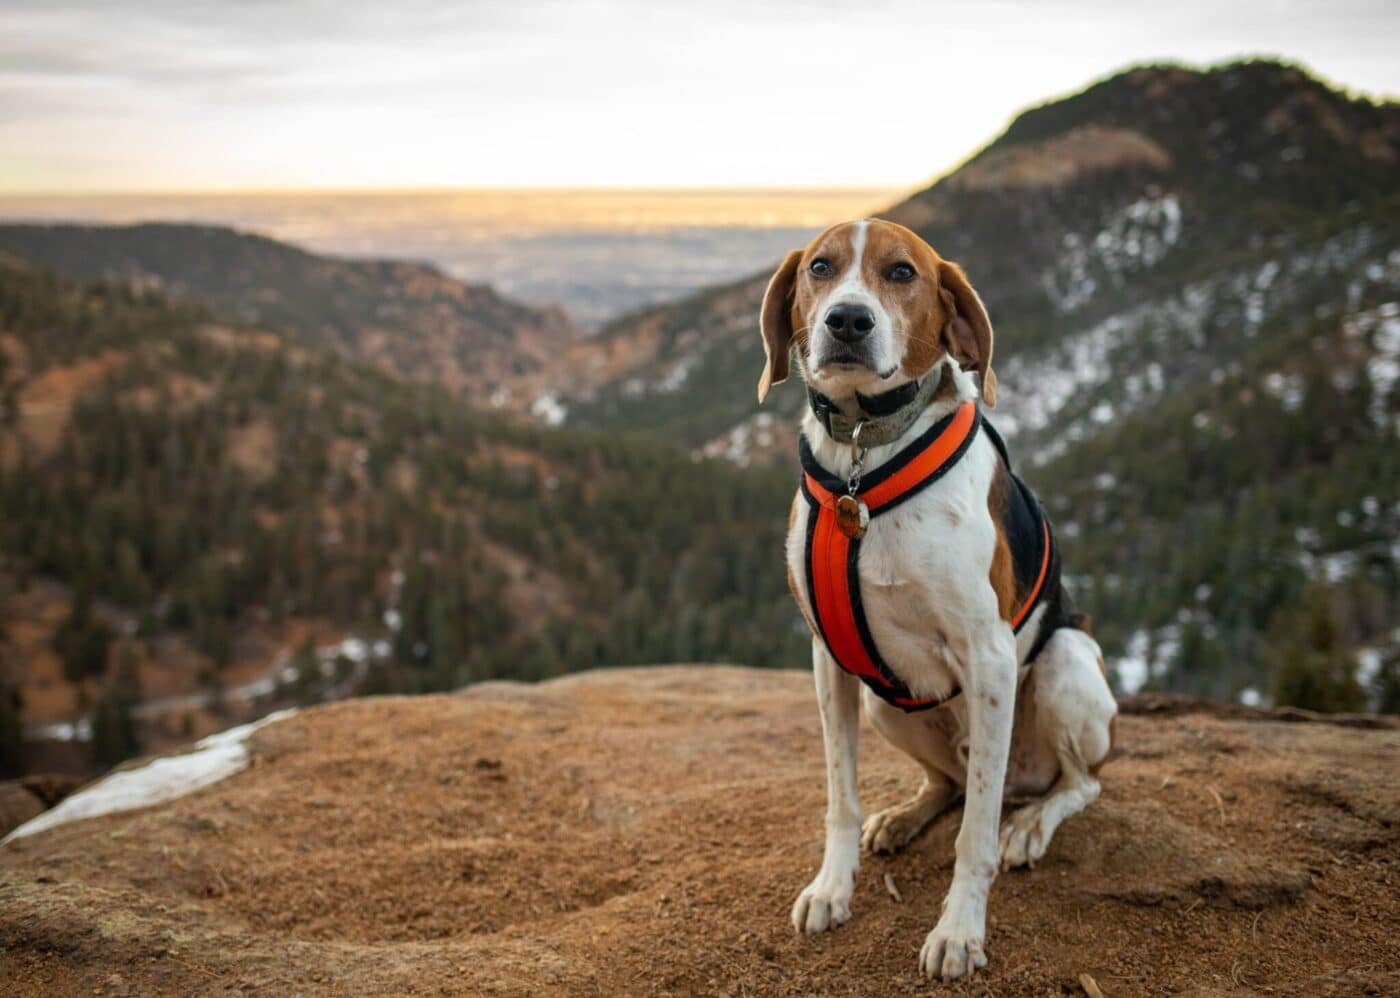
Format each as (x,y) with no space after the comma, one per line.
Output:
(1195,282)
(644,831)
(189,510)
(408,318)
(1101,229)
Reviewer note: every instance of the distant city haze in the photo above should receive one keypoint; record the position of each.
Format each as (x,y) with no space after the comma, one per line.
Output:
(597,253)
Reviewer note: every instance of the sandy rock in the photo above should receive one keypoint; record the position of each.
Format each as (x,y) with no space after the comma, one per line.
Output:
(1136,851)
(17,805)
(645,831)
(51,788)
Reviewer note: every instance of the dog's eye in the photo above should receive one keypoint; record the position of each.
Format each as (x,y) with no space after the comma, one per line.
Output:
(821,268)
(900,272)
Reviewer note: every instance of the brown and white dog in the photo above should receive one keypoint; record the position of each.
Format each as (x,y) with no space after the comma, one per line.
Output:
(868,308)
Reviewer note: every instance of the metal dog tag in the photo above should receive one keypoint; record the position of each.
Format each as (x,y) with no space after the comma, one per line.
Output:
(852,517)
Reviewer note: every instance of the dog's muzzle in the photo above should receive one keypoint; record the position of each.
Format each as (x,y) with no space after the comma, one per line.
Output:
(849,323)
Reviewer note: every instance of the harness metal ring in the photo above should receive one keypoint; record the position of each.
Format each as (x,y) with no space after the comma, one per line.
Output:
(857,460)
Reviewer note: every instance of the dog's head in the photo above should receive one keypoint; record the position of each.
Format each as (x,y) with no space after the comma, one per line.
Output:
(870,306)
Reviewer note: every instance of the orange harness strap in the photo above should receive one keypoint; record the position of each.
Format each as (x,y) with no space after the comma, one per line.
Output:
(833,558)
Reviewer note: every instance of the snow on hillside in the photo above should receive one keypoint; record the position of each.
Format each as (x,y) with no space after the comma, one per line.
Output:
(1140,347)
(1381,325)
(1133,238)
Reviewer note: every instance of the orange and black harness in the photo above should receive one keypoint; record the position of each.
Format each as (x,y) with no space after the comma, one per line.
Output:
(837,522)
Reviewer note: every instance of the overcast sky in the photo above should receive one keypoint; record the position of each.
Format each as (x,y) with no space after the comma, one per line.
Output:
(107,94)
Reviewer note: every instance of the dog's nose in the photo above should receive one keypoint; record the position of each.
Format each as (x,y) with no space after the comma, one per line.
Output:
(849,323)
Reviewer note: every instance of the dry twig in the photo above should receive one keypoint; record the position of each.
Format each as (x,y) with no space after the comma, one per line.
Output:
(1219,801)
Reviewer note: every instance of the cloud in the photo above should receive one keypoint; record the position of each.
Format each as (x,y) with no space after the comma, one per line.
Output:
(311,92)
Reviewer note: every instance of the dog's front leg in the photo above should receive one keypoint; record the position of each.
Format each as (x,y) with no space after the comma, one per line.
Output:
(955,946)
(826,902)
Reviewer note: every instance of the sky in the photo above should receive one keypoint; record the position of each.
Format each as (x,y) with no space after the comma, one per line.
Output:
(111,95)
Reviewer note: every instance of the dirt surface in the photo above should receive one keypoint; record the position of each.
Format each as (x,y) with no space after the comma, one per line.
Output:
(646,831)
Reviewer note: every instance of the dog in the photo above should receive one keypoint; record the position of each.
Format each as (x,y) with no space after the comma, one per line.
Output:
(928,575)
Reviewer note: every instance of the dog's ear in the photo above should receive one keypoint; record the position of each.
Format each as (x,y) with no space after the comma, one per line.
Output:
(775,320)
(968,333)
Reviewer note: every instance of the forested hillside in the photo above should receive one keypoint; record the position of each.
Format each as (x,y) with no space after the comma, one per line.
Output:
(410,319)
(1242,533)
(184,479)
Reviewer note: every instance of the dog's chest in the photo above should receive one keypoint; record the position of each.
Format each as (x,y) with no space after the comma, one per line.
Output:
(919,567)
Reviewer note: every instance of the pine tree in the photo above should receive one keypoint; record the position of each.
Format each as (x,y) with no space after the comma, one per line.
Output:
(1386,686)
(128,677)
(81,640)
(444,650)
(11,735)
(131,586)
(308,672)
(1314,671)
(114,737)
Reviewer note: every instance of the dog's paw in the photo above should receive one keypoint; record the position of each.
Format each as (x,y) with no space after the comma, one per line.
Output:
(1023,838)
(891,829)
(823,904)
(951,953)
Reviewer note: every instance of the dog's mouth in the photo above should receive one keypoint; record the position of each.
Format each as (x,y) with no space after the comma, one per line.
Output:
(845,360)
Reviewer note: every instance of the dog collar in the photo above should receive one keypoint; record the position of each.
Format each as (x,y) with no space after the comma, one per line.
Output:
(882,418)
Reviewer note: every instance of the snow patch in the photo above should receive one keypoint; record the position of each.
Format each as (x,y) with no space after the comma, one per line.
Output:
(1132,673)
(1368,666)
(1146,656)
(1382,326)
(1369,661)
(549,409)
(1134,238)
(64,731)
(1251,697)
(1338,566)
(160,780)
(676,377)
(1287,388)
(738,444)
